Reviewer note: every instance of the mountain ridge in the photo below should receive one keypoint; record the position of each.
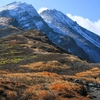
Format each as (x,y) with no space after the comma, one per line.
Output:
(37,63)
(84,38)
(62,31)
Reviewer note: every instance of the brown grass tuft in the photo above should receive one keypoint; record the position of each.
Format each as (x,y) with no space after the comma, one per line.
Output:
(69,88)
(44,95)
(11,95)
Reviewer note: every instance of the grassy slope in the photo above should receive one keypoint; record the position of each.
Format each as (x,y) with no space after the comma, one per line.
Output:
(8,31)
(32,68)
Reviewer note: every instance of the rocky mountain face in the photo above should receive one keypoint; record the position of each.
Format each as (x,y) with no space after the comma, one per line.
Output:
(88,41)
(61,30)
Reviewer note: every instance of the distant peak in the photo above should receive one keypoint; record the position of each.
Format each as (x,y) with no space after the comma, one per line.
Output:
(14,3)
(52,11)
(42,9)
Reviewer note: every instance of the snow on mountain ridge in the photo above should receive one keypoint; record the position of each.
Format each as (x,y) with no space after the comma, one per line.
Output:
(56,15)
(23,12)
(55,18)
(88,41)
(10,6)
(15,6)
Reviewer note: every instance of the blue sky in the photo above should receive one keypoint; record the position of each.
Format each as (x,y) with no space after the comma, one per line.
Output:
(88,11)
(85,8)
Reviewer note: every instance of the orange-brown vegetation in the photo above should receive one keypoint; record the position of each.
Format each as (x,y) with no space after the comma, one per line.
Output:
(33,68)
(90,75)
(40,86)
(69,90)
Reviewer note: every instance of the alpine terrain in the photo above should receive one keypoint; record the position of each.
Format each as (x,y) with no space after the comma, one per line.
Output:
(46,56)
(60,29)
(86,40)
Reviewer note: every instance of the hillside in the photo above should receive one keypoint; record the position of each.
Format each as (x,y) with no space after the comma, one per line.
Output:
(33,68)
(31,46)
(46,56)
(59,28)
(8,31)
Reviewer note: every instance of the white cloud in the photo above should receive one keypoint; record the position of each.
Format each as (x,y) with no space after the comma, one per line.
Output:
(42,9)
(86,23)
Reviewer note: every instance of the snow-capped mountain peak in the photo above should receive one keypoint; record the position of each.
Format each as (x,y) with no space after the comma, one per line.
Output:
(57,19)
(19,7)
(50,15)
(23,13)
(64,25)
(10,6)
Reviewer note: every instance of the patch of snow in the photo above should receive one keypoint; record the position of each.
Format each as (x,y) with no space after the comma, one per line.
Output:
(26,25)
(4,21)
(18,7)
(23,13)
(86,36)
(57,20)
(59,41)
(39,24)
(42,9)
(64,26)
(69,50)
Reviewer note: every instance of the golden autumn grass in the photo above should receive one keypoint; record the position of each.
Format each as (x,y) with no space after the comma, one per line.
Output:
(32,68)
(39,86)
(90,73)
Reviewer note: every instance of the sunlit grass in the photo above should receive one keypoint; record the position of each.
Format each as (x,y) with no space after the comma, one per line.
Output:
(9,61)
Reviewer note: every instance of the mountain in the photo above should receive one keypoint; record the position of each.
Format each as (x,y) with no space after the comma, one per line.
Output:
(88,41)
(28,18)
(6,22)
(40,65)
(22,12)
(61,30)
(8,26)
